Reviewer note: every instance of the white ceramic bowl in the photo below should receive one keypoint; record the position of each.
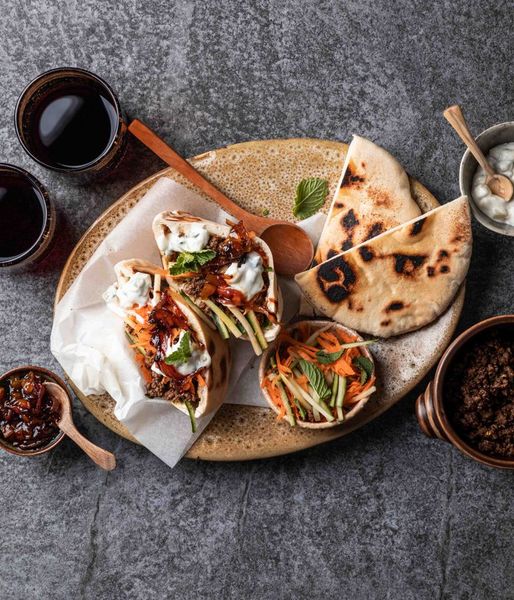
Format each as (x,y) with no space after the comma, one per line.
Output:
(497,134)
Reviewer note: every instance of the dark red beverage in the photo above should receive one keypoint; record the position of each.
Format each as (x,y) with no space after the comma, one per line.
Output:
(27,219)
(69,120)
(73,126)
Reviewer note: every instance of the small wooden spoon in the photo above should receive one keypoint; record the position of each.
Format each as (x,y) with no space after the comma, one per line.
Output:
(105,460)
(500,185)
(291,247)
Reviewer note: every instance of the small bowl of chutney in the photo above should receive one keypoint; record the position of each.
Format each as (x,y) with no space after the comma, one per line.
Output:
(27,414)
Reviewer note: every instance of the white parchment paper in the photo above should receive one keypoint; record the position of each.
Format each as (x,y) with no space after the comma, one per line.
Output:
(89,342)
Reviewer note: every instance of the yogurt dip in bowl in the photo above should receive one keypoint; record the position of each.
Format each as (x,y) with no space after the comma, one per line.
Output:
(501,159)
(497,143)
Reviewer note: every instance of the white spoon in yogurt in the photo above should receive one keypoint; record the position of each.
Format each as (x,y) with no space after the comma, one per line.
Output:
(500,185)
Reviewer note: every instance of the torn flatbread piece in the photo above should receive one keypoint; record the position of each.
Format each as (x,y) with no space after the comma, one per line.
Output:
(373,196)
(400,280)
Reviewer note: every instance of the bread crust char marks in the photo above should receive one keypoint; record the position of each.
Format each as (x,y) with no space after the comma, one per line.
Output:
(336,279)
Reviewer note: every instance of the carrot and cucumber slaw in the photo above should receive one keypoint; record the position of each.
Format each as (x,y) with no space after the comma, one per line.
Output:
(318,374)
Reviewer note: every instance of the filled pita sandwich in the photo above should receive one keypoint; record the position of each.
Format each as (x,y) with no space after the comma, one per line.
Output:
(398,281)
(373,196)
(180,358)
(224,273)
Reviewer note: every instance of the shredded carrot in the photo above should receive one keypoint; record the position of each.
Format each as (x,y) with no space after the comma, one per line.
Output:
(201,380)
(289,349)
(145,371)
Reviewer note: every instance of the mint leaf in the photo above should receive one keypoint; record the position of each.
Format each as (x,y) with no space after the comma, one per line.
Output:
(183,353)
(316,378)
(191,261)
(310,196)
(325,358)
(204,256)
(366,367)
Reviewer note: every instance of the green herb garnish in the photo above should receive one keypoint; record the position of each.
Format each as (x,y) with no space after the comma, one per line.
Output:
(268,269)
(310,197)
(366,367)
(316,378)
(265,212)
(326,358)
(183,353)
(191,261)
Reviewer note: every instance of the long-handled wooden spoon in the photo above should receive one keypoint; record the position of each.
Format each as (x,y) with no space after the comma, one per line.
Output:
(500,185)
(291,247)
(105,460)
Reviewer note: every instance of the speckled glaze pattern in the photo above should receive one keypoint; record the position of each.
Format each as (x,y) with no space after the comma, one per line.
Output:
(382,513)
(255,174)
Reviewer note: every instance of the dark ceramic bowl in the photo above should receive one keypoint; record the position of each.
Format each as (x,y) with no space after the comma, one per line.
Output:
(48,376)
(430,406)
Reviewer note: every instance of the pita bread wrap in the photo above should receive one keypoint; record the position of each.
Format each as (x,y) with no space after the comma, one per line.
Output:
(373,196)
(156,322)
(254,304)
(400,280)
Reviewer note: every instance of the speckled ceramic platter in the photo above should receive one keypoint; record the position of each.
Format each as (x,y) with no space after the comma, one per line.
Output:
(260,175)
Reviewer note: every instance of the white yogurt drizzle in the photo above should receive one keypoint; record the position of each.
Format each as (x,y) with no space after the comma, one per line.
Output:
(134,291)
(247,276)
(199,358)
(183,237)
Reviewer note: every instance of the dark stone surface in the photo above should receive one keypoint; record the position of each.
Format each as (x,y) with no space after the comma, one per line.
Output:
(384,513)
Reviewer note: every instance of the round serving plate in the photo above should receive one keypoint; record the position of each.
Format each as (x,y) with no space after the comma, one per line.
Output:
(264,175)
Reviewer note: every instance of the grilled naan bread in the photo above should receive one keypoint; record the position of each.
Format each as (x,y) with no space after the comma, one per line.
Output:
(373,195)
(400,280)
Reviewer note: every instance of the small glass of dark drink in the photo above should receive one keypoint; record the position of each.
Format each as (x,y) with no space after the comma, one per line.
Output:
(69,120)
(27,219)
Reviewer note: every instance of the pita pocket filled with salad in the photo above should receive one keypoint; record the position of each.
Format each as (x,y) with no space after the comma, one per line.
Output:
(224,272)
(180,358)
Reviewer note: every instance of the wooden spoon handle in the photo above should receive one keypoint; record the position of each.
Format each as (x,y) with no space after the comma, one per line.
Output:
(454,116)
(152,141)
(104,459)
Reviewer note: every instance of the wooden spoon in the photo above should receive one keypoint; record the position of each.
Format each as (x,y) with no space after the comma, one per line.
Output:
(291,247)
(105,460)
(500,185)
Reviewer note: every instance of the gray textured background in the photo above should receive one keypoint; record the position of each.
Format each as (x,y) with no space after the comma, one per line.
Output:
(383,513)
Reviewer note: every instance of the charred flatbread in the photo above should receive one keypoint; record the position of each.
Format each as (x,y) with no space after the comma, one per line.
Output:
(373,196)
(398,281)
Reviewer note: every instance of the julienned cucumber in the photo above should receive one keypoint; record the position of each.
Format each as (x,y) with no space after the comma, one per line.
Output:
(222,328)
(296,390)
(285,401)
(197,310)
(314,407)
(248,328)
(224,318)
(341,391)
(300,408)
(191,413)
(334,390)
(254,322)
